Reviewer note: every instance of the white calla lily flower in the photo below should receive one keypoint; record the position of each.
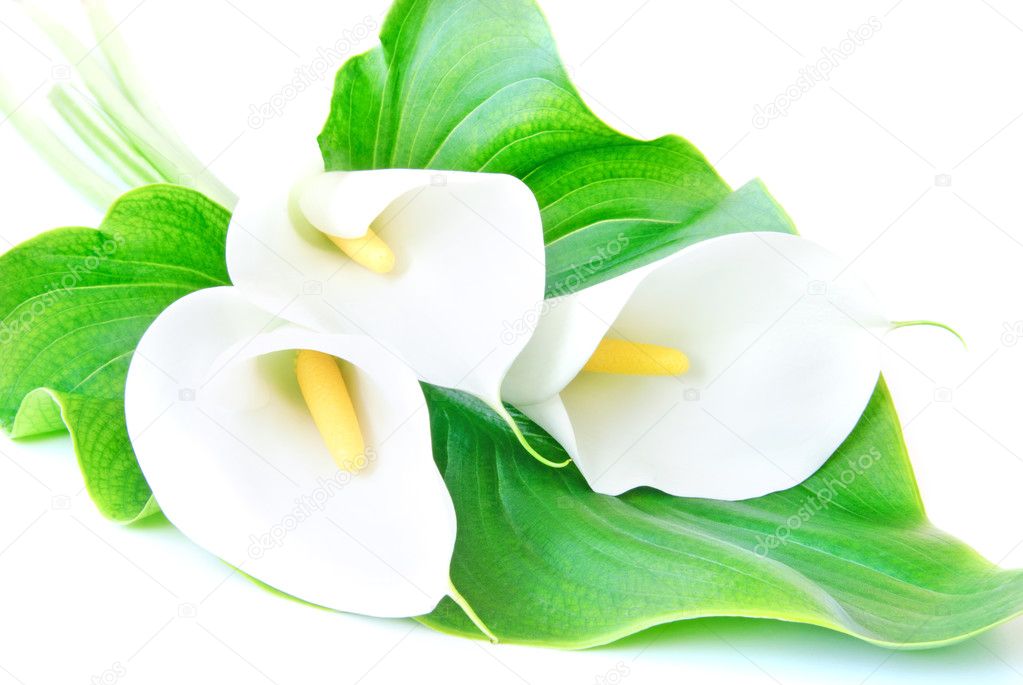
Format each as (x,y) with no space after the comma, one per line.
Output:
(783,351)
(433,265)
(224,433)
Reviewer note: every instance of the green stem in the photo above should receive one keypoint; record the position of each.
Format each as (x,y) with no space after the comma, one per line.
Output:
(99,82)
(118,57)
(935,324)
(86,180)
(89,125)
(464,605)
(513,424)
(111,45)
(174,162)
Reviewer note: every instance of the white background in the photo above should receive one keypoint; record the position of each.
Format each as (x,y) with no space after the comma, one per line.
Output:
(934,92)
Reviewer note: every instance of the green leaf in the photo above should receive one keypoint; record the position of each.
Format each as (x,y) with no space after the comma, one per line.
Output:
(544,560)
(76,301)
(477,85)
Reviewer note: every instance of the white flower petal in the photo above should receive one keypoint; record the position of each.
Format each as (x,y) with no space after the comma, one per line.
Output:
(326,199)
(225,440)
(469,267)
(571,327)
(784,352)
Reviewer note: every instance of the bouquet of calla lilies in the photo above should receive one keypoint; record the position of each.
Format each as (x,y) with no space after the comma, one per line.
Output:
(477,358)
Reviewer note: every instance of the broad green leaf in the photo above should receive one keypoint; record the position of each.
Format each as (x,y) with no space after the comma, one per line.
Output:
(75,303)
(544,560)
(477,85)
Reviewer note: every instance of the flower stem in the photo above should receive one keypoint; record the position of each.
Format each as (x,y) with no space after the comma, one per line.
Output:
(111,44)
(97,189)
(150,144)
(88,124)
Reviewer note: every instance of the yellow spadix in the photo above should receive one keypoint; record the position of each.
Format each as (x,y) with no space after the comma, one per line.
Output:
(330,404)
(636,359)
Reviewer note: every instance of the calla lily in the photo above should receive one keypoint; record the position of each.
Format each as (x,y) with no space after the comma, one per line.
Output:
(783,351)
(228,437)
(433,265)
